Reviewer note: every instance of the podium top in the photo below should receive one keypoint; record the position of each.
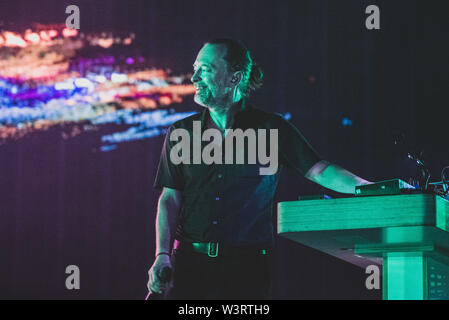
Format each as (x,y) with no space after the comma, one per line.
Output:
(363,213)
(349,227)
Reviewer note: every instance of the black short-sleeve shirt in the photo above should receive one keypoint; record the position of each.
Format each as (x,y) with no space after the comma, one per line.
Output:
(232,203)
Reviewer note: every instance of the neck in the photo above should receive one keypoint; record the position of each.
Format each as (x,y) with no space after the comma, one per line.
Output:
(224,116)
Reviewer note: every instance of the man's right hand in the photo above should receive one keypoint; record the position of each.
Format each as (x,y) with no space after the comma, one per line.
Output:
(155,284)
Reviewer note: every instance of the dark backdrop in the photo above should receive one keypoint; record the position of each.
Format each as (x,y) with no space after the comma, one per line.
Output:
(64,204)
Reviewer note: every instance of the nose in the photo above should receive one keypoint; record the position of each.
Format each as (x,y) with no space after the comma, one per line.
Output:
(195,77)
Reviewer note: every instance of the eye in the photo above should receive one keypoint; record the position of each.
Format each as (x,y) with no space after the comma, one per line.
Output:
(203,68)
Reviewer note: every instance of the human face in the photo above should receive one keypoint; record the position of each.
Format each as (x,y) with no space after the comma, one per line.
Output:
(211,77)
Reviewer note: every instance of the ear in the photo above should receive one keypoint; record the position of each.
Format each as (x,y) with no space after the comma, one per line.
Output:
(236,78)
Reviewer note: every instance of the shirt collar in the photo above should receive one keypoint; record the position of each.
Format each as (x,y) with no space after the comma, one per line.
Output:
(205,116)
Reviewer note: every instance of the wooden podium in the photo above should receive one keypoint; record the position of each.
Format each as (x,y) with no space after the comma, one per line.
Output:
(407,234)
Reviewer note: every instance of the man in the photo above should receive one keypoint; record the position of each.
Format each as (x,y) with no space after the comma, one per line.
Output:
(214,222)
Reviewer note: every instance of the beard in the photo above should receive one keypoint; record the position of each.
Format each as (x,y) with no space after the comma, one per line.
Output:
(204,98)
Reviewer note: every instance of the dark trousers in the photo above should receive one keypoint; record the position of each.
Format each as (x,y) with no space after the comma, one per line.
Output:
(196,276)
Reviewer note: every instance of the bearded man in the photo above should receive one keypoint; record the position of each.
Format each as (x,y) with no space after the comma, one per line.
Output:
(214,224)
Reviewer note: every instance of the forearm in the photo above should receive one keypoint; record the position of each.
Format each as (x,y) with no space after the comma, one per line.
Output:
(334,177)
(166,223)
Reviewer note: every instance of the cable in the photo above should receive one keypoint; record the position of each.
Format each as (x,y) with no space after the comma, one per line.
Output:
(444,181)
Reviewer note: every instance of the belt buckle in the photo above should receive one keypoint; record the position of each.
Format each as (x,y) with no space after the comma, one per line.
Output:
(213,249)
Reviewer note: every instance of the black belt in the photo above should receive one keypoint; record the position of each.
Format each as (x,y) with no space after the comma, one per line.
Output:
(213,249)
